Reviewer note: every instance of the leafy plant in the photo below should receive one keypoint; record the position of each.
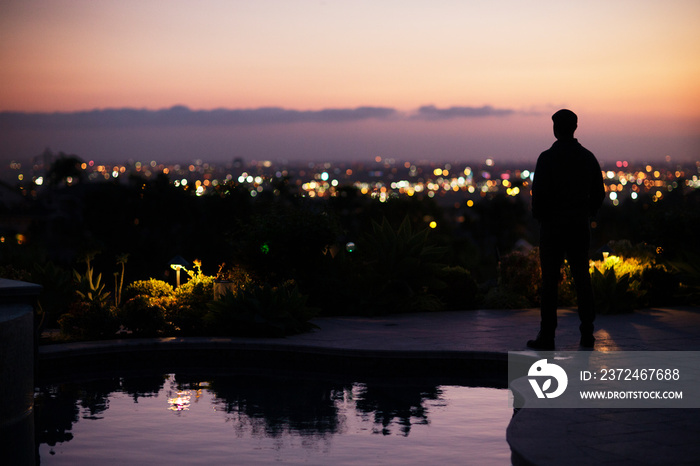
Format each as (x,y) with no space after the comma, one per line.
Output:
(501,297)
(119,285)
(285,243)
(90,316)
(57,292)
(614,294)
(232,279)
(146,316)
(622,266)
(89,288)
(398,270)
(87,321)
(261,311)
(13,273)
(148,307)
(191,299)
(519,274)
(198,290)
(675,279)
(152,288)
(461,289)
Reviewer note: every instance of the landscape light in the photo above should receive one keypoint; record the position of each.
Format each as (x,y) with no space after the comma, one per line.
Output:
(177,263)
(606,250)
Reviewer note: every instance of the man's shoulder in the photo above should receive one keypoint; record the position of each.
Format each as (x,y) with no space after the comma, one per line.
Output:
(549,157)
(589,156)
(584,150)
(549,152)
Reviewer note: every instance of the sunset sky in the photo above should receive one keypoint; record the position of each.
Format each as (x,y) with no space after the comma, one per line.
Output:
(487,75)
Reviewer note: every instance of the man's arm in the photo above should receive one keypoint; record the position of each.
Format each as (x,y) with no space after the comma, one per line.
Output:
(538,189)
(596,193)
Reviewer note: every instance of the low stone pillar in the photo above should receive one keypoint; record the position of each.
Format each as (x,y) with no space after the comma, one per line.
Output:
(17,301)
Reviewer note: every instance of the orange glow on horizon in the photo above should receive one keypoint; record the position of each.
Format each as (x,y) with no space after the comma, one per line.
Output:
(85,55)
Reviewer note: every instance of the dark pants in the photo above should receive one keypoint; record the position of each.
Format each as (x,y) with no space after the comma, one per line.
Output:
(570,239)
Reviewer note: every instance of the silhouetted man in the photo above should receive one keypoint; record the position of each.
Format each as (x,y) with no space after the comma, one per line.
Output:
(567,192)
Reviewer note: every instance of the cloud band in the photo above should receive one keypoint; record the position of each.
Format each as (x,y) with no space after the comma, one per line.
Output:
(183,116)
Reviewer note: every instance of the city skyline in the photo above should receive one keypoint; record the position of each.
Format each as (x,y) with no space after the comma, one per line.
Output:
(415,80)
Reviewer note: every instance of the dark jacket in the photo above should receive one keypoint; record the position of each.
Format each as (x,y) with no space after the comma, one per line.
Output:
(568,183)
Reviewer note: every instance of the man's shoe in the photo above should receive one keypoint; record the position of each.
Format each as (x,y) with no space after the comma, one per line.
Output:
(587,341)
(539,343)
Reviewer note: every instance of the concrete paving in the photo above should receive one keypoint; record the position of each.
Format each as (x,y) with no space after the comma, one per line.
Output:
(536,436)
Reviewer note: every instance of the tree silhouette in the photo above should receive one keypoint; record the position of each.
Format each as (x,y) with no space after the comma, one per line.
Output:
(65,167)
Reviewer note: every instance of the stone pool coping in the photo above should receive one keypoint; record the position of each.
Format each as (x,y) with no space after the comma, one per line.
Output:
(469,343)
(60,361)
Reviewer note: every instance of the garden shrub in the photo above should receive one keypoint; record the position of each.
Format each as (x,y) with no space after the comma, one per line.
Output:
(614,293)
(519,274)
(461,289)
(686,270)
(56,294)
(13,273)
(662,286)
(146,308)
(520,279)
(617,284)
(654,279)
(147,316)
(263,310)
(90,316)
(335,290)
(152,288)
(622,283)
(287,242)
(191,300)
(616,281)
(501,297)
(198,290)
(88,321)
(153,307)
(397,270)
(623,266)
(232,279)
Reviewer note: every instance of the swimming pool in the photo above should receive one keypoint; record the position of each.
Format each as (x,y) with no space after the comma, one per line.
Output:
(262,418)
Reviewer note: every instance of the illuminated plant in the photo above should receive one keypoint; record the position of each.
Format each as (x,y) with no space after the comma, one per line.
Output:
(236,275)
(119,286)
(88,287)
(90,316)
(614,294)
(191,299)
(198,289)
(152,288)
(147,307)
(617,283)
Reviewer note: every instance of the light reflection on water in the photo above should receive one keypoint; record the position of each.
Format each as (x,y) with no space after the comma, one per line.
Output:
(180,419)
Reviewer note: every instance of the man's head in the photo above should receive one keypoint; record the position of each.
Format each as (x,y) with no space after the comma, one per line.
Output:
(565,123)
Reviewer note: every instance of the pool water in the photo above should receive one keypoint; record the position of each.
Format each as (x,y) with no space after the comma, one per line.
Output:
(262,419)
